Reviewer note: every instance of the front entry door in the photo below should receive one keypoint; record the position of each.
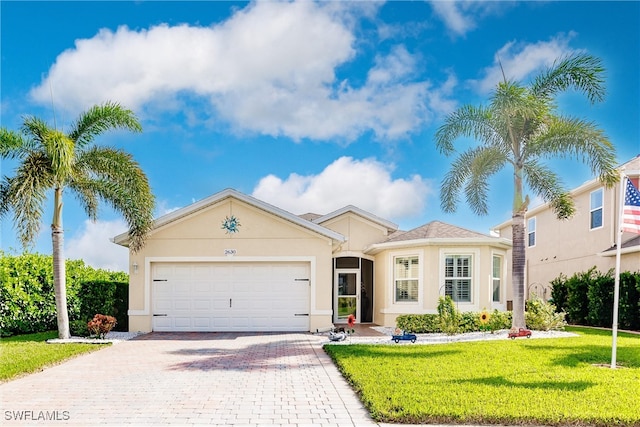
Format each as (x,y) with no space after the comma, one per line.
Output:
(347,295)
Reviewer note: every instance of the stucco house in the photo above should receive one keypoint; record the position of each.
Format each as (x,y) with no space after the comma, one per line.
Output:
(587,240)
(231,262)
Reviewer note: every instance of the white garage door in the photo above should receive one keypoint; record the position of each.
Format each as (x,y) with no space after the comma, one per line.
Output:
(234,296)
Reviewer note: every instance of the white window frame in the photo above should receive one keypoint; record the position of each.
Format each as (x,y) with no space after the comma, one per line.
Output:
(497,278)
(531,231)
(474,291)
(408,279)
(593,209)
(404,307)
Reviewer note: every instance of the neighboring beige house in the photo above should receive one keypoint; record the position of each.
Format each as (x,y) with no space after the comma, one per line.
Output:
(587,240)
(234,263)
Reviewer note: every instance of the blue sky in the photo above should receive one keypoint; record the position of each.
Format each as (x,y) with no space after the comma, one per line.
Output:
(308,106)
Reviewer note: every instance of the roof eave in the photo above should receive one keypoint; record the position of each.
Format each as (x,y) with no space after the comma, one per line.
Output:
(437,241)
(123,239)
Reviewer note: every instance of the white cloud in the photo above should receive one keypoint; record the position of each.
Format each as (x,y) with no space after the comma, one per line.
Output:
(460,16)
(367,184)
(270,68)
(520,60)
(92,244)
(452,13)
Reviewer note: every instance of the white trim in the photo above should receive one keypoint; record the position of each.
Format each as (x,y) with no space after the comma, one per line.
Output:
(336,274)
(438,241)
(472,305)
(406,306)
(390,226)
(535,231)
(591,209)
(146,311)
(623,251)
(123,239)
(502,304)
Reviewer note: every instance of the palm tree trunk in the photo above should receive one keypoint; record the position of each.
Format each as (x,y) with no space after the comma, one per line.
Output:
(518,254)
(518,262)
(59,268)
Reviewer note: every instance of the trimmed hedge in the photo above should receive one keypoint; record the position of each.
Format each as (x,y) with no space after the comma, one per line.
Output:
(468,322)
(27,297)
(587,298)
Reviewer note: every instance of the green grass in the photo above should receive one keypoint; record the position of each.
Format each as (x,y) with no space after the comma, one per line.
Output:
(522,381)
(24,354)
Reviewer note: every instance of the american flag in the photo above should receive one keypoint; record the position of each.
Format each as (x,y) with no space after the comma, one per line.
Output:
(631,209)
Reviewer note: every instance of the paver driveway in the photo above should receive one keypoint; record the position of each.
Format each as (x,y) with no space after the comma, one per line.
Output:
(190,378)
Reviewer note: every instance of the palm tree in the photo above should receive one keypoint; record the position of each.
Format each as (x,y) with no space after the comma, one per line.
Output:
(50,159)
(520,128)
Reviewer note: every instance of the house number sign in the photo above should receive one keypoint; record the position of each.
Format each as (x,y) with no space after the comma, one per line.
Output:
(230,252)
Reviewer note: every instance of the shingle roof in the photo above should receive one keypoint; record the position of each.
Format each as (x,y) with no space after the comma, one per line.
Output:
(435,230)
(632,242)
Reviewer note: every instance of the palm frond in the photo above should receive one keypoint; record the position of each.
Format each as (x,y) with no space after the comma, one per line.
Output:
(60,152)
(470,171)
(101,118)
(580,140)
(13,145)
(517,114)
(547,184)
(119,180)
(485,163)
(25,193)
(36,128)
(580,71)
(467,121)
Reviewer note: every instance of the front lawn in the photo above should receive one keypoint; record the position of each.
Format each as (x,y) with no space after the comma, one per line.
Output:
(24,354)
(523,381)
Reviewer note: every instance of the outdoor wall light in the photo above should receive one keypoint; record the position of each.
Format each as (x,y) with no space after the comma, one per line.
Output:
(135,267)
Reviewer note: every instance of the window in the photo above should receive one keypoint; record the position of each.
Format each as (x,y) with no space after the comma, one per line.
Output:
(595,209)
(496,275)
(531,232)
(406,274)
(457,273)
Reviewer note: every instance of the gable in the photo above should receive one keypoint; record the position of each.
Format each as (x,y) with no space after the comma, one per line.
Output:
(358,231)
(253,223)
(204,219)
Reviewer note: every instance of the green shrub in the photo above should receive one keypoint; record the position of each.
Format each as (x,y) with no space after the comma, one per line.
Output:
(27,297)
(600,300)
(448,316)
(559,293)
(500,320)
(107,297)
(419,323)
(587,298)
(577,297)
(541,316)
(469,322)
(629,309)
(78,328)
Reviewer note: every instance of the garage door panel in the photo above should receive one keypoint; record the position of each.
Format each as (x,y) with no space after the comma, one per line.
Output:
(182,321)
(202,322)
(202,305)
(201,287)
(181,304)
(232,296)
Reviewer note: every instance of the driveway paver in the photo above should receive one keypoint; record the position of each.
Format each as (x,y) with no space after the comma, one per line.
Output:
(190,379)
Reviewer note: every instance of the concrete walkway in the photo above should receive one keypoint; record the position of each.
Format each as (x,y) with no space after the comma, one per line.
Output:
(190,379)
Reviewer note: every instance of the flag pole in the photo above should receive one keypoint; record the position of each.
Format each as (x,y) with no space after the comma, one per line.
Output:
(616,286)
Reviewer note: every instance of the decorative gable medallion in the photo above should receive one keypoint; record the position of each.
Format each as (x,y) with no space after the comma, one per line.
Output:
(230,224)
